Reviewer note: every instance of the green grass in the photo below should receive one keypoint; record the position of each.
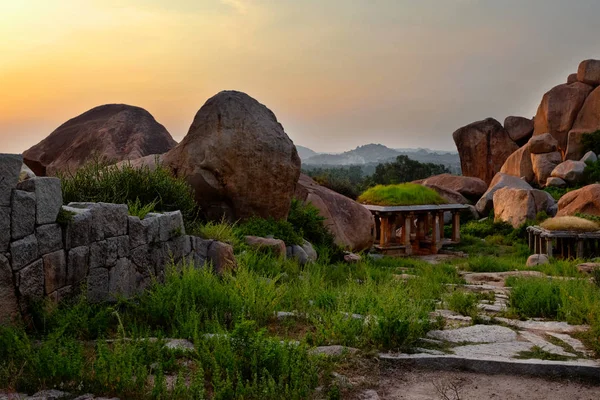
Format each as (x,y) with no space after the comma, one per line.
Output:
(463,302)
(405,194)
(538,353)
(98,182)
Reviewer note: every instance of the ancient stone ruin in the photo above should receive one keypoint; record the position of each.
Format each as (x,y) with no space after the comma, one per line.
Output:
(56,251)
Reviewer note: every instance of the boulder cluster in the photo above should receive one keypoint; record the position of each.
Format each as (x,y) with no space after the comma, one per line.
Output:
(517,158)
(236,156)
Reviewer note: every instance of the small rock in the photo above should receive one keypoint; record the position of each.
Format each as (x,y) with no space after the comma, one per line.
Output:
(352,258)
(276,246)
(537,259)
(369,395)
(52,394)
(590,156)
(588,268)
(285,314)
(334,351)
(555,182)
(180,344)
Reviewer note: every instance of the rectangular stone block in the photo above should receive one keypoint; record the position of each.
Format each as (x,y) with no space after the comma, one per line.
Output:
(143,231)
(77,264)
(55,271)
(120,244)
(108,220)
(31,281)
(97,285)
(98,255)
(49,238)
(170,225)
(10,167)
(9,306)
(23,214)
(4,228)
(178,248)
(78,230)
(122,279)
(48,195)
(23,252)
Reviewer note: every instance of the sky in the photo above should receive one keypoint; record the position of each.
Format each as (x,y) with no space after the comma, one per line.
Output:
(337,73)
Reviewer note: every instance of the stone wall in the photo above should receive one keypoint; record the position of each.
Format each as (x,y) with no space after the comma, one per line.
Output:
(95,247)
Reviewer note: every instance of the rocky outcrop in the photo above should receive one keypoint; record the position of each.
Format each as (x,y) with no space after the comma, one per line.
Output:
(486,203)
(588,121)
(483,147)
(519,164)
(541,144)
(589,72)
(112,132)
(238,159)
(516,206)
(558,110)
(351,224)
(585,200)
(519,129)
(469,187)
(449,195)
(544,164)
(569,171)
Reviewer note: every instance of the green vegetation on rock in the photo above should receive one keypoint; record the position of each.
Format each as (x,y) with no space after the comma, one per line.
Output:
(405,194)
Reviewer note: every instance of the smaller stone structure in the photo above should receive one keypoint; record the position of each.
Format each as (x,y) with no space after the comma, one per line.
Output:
(563,244)
(420,228)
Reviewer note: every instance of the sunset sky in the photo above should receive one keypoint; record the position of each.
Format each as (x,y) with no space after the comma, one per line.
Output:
(337,73)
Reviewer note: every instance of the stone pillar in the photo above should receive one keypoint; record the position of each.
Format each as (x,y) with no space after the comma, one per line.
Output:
(440,218)
(549,249)
(455,226)
(408,220)
(435,235)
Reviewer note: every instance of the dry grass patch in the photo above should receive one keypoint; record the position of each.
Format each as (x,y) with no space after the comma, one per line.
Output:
(570,224)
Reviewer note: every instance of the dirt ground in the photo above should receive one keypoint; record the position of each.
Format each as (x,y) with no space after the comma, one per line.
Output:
(445,385)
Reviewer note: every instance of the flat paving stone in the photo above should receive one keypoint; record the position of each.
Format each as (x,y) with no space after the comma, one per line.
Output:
(476,334)
(505,349)
(546,326)
(545,345)
(574,343)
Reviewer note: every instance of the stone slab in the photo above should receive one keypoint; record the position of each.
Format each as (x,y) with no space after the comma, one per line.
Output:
(22,215)
(476,334)
(4,228)
(10,167)
(23,252)
(49,238)
(48,195)
(55,271)
(31,281)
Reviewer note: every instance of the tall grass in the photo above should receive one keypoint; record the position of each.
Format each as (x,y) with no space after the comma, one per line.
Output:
(405,194)
(98,182)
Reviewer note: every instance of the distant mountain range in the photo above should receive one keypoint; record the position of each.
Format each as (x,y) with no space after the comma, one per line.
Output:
(373,154)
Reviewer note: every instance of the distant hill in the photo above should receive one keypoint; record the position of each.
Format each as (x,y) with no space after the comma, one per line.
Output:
(372,154)
(305,152)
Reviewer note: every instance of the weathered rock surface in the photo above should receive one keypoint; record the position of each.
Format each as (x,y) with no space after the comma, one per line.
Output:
(26,173)
(469,187)
(558,110)
(516,206)
(519,164)
(537,259)
(544,143)
(590,156)
(483,147)
(519,129)
(221,256)
(23,214)
(544,164)
(501,180)
(276,246)
(575,147)
(238,159)
(589,72)
(10,167)
(9,306)
(572,78)
(570,171)
(476,334)
(585,200)
(555,182)
(351,224)
(114,131)
(48,195)
(449,195)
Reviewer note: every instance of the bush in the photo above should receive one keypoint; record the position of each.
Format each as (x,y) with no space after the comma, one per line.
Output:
(305,218)
(591,173)
(591,142)
(405,194)
(487,227)
(222,231)
(279,229)
(98,182)
(463,303)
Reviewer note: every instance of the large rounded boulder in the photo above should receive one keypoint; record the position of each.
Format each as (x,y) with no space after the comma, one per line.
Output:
(558,110)
(588,120)
(469,187)
(351,224)
(238,159)
(483,147)
(112,132)
(585,200)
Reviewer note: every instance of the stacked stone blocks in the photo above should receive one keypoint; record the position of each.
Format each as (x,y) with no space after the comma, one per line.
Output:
(99,248)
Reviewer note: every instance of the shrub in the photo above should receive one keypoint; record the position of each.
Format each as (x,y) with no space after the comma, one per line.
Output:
(570,223)
(487,227)
(279,229)
(591,173)
(222,231)
(305,218)
(591,142)
(405,194)
(137,209)
(98,182)
(463,303)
